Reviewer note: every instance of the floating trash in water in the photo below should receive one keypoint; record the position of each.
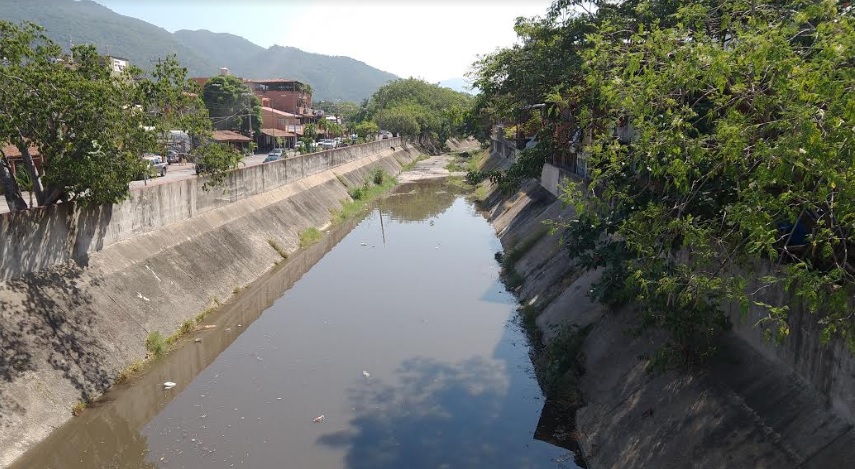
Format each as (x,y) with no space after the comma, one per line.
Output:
(366,374)
(209,326)
(197,340)
(363,244)
(319,418)
(140,296)
(168,385)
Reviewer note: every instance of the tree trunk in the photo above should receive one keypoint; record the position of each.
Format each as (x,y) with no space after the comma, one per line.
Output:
(30,166)
(12,192)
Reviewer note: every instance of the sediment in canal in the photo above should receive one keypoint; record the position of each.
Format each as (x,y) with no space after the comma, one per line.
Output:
(72,317)
(760,405)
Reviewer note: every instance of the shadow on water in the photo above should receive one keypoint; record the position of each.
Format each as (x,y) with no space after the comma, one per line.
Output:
(470,413)
(109,434)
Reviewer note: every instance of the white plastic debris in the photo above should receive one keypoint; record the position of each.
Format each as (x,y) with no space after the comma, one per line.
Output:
(168,385)
(363,244)
(366,374)
(319,418)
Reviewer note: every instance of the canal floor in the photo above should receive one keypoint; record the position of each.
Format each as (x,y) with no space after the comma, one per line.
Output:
(391,344)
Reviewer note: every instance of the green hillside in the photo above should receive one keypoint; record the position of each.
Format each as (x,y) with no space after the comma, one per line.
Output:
(202,52)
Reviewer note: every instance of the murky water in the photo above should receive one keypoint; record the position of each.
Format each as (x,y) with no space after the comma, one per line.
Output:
(399,336)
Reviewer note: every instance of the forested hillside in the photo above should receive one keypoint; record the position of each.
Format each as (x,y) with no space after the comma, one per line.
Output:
(202,52)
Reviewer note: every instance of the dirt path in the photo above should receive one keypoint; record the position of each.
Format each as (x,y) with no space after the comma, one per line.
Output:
(435,166)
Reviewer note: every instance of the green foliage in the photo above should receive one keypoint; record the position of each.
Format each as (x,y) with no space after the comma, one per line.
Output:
(155,344)
(561,356)
(378,176)
(734,150)
(91,126)
(362,195)
(418,110)
(232,105)
(309,237)
(201,51)
(366,129)
(217,161)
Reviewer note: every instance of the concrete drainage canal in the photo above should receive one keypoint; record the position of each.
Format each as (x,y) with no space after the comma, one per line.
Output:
(389,344)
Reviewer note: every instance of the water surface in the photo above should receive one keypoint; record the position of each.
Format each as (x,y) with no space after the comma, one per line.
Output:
(400,336)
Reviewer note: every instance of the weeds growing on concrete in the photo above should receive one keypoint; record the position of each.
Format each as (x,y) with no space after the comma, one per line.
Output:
(560,357)
(130,371)
(454,166)
(364,194)
(155,344)
(482,192)
(278,248)
(309,237)
(79,407)
(510,276)
(412,164)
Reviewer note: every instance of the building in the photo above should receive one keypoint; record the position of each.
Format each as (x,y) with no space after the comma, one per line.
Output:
(285,95)
(117,65)
(278,128)
(16,160)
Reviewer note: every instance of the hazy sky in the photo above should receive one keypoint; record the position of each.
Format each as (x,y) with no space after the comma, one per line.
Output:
(434,40)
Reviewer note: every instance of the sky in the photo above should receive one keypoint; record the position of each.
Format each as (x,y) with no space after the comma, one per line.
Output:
(433,40)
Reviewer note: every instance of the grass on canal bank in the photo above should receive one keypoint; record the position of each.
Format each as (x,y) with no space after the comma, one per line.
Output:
(378,184)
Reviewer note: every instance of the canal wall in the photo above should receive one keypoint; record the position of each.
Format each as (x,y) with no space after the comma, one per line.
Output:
(38,239)
(761,405)
(77,311)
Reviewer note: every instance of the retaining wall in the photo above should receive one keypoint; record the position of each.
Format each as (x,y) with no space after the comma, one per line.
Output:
(759,405)
(67,329)
(41,238)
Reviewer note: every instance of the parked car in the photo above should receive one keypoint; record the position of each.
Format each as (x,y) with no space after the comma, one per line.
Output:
(275,152)
(156,166)
(271,157)
(384,134)
(172,156)
(312,146)
(327,143)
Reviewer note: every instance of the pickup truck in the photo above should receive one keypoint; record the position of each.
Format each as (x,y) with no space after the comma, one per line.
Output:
(157,167)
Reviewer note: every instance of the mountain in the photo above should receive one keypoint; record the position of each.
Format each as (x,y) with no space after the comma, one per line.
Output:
(87,22)
(202,52)
(227,49)
(331,77)
(458,84)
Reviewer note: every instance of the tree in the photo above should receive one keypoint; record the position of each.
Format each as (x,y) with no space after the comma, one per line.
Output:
(418,110)
(88,125)
(232,105)
(366,129)
(217,160)
(740,117)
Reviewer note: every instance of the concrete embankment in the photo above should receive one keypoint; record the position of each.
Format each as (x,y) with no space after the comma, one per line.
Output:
(81,289)
(758,406)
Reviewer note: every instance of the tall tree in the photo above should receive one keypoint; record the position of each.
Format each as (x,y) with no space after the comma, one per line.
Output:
(232,105)
(719,139)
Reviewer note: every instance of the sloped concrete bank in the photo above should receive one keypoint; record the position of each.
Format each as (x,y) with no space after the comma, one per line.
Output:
(68,330)
(752,408)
